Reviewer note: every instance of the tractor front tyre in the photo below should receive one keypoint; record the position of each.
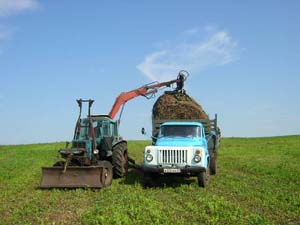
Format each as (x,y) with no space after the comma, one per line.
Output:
(120,160)
(106,174)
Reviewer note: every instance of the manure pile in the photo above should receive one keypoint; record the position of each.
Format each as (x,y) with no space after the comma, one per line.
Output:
(173,105)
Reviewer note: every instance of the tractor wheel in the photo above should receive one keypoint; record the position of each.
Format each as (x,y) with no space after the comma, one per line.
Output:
(213,165)
(107,173)
(203,178)
(120,160)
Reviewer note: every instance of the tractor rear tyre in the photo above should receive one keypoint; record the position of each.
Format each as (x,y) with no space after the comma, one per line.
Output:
(107,173)
(203,178)
(120,160)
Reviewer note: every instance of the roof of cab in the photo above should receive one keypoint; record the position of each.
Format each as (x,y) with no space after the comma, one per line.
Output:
(181,123)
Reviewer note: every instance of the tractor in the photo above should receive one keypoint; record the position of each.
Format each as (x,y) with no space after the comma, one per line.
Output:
(97,154)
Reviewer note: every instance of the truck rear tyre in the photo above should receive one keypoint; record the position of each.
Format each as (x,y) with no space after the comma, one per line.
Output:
(120,160)
(213,165)
(203,178)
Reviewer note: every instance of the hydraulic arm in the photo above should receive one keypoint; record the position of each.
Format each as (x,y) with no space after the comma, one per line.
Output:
(146,91)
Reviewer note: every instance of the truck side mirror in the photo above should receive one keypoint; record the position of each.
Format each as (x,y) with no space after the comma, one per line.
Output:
(143,131)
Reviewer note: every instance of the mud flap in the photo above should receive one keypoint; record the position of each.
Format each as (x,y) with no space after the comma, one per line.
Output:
(73,177)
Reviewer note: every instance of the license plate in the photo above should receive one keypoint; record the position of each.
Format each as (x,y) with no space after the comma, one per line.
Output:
(172,170)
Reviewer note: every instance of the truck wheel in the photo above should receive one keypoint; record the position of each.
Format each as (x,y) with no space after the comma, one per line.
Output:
(106,174)
(213,165)
(120,160)
(203,178)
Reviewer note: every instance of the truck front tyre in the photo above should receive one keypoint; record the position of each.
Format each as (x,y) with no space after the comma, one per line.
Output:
(203,178)
(120,160)
(149,179)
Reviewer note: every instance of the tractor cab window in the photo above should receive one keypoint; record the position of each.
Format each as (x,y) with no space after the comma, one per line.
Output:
(113,129)
(95,124)
(84,129)
(116,129)
(106,128)
(97,128)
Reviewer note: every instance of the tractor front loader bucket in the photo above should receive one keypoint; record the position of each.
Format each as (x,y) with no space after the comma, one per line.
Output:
(72,177)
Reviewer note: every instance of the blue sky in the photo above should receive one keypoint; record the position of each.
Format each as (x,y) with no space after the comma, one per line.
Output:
(243,57)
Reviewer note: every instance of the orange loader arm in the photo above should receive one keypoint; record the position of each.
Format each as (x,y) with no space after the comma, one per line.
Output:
(145,91)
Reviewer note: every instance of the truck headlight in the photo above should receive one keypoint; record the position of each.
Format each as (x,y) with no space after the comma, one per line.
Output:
(149,157)
(197,158)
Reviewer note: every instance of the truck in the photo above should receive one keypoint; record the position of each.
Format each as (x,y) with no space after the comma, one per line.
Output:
(186,147)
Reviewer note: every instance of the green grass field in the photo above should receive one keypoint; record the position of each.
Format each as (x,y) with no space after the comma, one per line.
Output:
(258,182)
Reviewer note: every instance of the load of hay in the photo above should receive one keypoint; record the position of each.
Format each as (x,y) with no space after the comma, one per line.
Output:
(176,105)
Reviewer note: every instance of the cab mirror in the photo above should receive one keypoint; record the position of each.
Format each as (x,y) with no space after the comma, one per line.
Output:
(143,131)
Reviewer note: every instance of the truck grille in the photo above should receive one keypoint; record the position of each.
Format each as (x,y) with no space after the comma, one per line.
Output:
(172,156)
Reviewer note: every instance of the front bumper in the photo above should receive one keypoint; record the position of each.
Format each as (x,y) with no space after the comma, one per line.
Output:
(187,170)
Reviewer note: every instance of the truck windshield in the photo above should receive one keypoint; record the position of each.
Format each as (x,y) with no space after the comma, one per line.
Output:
(179,131)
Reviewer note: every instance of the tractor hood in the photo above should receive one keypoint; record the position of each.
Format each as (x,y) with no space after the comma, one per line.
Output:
(179,141)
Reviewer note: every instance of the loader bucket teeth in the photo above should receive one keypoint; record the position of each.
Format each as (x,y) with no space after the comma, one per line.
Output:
(73,177)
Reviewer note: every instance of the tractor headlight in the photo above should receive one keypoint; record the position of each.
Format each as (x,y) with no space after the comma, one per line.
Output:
(197,158)
(96,151)
(149,157)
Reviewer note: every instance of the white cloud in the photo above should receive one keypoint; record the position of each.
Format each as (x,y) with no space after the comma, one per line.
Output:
(193,55)
(11,7)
